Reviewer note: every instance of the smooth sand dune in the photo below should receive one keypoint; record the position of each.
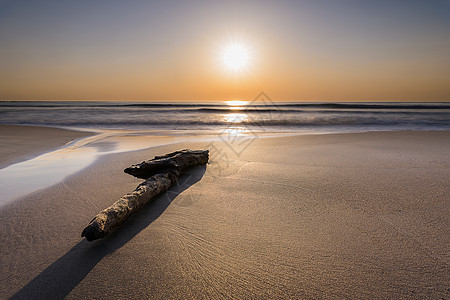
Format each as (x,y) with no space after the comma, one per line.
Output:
(325,216)
(19,143)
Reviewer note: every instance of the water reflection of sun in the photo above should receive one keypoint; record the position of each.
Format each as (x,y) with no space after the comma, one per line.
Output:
(235,118)
(234,103)
(237,132)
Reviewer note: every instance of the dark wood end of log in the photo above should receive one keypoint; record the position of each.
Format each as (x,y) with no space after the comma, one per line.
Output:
(93,231)
(173,162)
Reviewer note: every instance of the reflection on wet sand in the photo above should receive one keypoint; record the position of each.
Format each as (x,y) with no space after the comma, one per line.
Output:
(48,169)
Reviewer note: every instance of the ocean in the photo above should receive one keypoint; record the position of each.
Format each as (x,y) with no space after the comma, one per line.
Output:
(212,116)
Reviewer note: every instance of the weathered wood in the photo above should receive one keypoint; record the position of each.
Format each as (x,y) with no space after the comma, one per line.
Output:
(117,213)
(164,172)
(175,161)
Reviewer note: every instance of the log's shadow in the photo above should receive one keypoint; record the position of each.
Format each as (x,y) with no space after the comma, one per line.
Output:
(62,276)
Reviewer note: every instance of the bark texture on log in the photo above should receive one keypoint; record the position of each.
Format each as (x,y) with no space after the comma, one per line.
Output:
(175,161)
(164,172)
(117,213)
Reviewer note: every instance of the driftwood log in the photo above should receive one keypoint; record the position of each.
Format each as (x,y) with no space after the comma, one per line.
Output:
(173,162)
(160,173)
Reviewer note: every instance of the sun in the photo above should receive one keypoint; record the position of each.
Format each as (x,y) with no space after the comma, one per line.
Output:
(236,56)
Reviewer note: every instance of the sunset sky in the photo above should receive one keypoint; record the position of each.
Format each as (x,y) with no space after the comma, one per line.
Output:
(309,50)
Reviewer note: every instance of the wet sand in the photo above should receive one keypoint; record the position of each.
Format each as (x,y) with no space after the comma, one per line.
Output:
(321,216)
(19,143)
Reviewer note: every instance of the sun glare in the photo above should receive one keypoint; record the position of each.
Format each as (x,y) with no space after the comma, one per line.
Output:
(236,56)
(236,103)
(235,118)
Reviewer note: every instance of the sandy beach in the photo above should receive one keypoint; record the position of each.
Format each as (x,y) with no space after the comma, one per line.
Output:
(19,143)
(361,215)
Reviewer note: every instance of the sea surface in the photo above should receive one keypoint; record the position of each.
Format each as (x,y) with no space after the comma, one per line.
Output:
(263,116)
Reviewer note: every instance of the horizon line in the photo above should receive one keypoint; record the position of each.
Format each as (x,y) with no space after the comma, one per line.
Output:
(231,99)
